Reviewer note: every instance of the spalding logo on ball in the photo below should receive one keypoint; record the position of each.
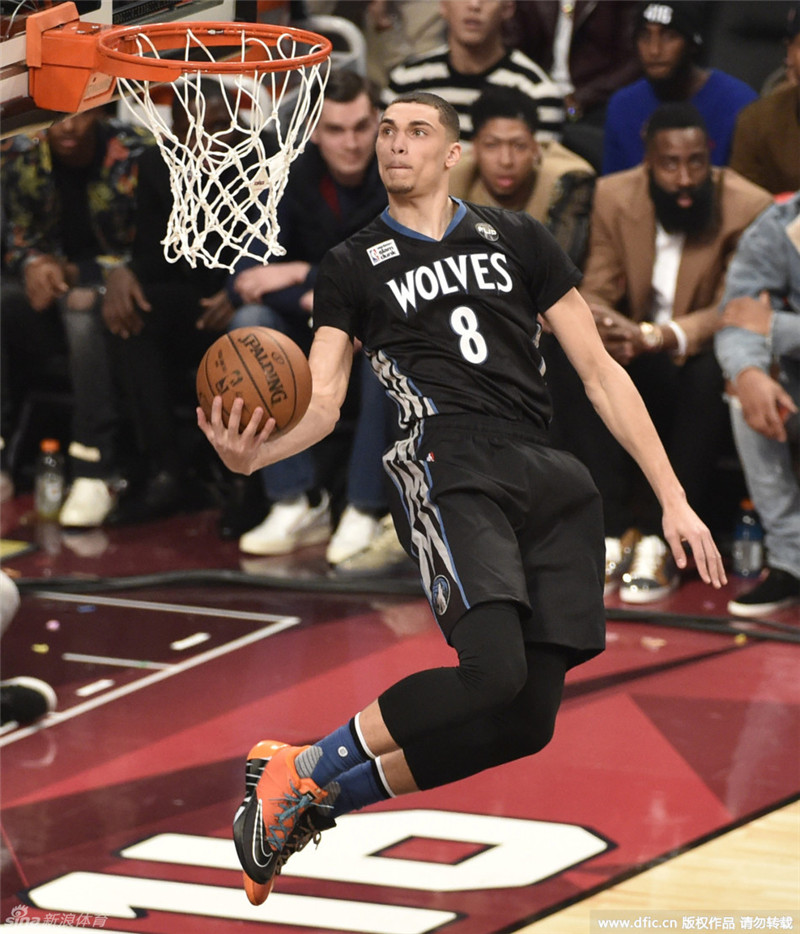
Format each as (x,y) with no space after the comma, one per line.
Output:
(261,366)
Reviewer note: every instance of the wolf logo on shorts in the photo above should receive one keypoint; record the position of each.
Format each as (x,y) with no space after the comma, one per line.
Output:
(440,595)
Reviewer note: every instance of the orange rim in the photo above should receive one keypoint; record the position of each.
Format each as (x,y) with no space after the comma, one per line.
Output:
(119,52)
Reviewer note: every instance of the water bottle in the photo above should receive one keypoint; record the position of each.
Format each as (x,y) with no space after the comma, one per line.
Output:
(748,542)
(48,491)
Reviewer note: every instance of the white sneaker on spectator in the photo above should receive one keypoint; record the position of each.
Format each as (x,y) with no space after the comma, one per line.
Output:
(355,531)
(289,525)
(652,575)
(382,553)
(87,505)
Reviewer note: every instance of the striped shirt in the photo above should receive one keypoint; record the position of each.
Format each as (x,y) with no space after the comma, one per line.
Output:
(433,72)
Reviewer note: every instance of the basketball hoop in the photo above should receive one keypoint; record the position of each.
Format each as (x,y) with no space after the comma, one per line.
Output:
(226,186)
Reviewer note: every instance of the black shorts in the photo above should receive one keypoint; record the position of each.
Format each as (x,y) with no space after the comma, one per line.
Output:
(490,512)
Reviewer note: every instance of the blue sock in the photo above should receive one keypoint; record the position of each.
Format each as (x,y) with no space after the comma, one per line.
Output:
(358,788)
(338,752)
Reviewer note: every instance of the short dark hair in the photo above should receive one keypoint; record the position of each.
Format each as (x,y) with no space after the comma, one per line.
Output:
(675,115)
(447,113)
(344,86)
(508,103)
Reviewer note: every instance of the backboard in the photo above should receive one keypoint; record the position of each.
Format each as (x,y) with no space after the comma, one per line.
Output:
(18,112)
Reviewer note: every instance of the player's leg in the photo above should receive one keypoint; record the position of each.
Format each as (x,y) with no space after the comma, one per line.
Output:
(492,670)
(428,759)
(516,730)
(521,729)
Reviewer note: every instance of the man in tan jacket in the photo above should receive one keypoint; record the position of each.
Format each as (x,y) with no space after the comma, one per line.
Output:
(766,141)
(662,235)
(508,167)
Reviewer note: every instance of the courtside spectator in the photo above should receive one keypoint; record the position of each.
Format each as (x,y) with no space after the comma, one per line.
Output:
(668,41)
(474,57)
(661,237)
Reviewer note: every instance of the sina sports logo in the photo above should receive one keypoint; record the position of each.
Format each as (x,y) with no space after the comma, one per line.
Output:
(440,595)
(487,231)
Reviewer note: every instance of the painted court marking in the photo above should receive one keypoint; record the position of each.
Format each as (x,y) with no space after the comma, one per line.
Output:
(154,605)
(277,624)
(180,645)
(95,687)
(109,660)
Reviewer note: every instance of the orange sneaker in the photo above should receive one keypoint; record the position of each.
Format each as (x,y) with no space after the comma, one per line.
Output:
(257,759)
(308,829)
(269,815)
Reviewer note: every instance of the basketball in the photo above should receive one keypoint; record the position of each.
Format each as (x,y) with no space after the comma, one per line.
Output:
(262,366)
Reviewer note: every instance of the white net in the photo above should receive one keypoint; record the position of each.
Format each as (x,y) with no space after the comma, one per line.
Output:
(227,184)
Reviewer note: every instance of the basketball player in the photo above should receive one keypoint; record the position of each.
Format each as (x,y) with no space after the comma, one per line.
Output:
(508,532)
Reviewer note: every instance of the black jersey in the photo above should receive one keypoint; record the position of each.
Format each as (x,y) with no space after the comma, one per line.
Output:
(450,326)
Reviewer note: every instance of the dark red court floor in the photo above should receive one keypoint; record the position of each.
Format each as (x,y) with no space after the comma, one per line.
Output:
(170,657)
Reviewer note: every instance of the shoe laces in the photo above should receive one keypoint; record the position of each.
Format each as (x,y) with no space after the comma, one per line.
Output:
(290,808)
(300,837)
(648,557)
(303,834)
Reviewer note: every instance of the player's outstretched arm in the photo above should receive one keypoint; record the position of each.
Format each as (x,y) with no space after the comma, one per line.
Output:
(330,359)
(617,401)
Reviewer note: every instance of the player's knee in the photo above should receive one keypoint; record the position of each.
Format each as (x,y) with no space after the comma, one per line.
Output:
(492,661)
(494,679)
(538,734)
(532,733)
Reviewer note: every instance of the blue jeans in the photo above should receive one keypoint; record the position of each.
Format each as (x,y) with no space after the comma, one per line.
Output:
(32,341)
(772,483)
(366,482)
(95,418)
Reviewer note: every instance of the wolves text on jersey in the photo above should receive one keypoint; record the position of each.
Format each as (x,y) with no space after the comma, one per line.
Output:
(465,273)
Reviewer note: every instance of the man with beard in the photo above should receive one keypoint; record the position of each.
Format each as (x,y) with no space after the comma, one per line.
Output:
(661,237)
(668,41)
(69,203)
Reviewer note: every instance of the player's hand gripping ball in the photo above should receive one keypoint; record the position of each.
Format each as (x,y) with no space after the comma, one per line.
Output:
(261,366)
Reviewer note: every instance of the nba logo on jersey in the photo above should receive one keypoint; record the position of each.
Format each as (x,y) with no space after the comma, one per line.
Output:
(487,231)
(440,594)
(382,251)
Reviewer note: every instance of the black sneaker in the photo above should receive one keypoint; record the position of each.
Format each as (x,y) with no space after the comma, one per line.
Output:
(777,590)
(250,834)
(24,700)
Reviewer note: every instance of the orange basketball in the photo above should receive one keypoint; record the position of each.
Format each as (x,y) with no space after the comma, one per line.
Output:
(261,366)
